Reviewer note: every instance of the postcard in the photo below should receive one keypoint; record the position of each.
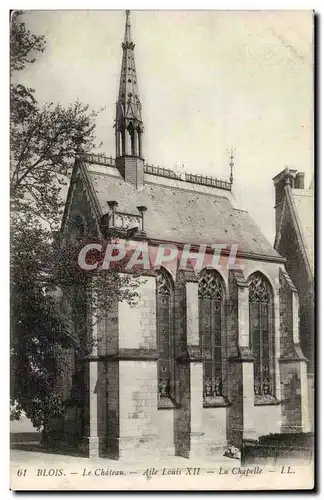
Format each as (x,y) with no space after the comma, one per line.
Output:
(162,250)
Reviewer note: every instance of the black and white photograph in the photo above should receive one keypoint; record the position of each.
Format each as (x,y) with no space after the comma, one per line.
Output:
(162,250)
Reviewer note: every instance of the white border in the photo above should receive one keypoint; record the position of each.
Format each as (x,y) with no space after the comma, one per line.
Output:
(4,195)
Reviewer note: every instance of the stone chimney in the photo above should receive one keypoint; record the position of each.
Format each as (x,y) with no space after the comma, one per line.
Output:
(284,178)
(300,180)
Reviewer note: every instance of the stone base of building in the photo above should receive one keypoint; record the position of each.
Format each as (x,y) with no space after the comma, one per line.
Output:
(197,445)
(291,429)
(144,448)
(92,447)
(239,436)
(191,445)
(137,447)
(215,447)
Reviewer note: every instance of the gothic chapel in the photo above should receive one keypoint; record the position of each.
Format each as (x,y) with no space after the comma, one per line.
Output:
(205,359)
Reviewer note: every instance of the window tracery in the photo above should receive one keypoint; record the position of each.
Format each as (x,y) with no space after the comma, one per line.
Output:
(164,333)
(260,311)
(211,296)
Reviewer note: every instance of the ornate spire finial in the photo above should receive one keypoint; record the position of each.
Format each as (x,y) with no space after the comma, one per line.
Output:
(128,43)
(129,125)
(231,163)
(288,176)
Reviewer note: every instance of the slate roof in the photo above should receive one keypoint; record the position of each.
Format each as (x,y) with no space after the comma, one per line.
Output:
(304,205)
(184,216)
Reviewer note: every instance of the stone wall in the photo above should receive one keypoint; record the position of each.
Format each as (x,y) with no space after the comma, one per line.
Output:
(132,169)
(214,428)
(289,247)
(293,365)
(143,428)
(137,325)
(121,383)
(265,421)
(113,409)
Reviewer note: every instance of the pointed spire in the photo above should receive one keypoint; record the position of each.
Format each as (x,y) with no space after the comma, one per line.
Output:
(129,126)
(128,32)
(231,164)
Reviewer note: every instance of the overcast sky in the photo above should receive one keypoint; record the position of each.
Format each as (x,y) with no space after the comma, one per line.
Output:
(208,81)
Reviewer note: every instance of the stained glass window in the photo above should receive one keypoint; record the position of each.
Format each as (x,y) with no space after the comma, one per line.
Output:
(164,332)
(210,293)
(260,309)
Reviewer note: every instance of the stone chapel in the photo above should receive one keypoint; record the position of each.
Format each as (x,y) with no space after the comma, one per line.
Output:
(204,360)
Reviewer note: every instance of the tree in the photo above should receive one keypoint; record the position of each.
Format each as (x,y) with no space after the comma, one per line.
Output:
(44,144)
(44,140)
(23,43)
(41,330)
(38,333)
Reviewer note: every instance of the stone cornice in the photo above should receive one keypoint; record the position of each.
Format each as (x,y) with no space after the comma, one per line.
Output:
(244,355)
(285,275)
(224,252)
(192,354)
(294,354)
(239,278)
(190,276)
(126,354)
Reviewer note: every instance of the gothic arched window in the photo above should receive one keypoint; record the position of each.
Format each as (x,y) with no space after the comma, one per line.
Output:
(211,296)
(260,312)
(164,305)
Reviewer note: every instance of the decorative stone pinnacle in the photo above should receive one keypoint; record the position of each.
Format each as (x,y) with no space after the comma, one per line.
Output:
(288,180)
(142,209)
(288,176)
(112,204)
(231,164)
(128,123)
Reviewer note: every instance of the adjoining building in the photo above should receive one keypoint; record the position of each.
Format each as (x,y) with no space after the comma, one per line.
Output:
(294,240)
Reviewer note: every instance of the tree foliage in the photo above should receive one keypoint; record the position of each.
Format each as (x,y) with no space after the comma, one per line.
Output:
(44,144)
(38,332)
(45,141)
(24,45)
